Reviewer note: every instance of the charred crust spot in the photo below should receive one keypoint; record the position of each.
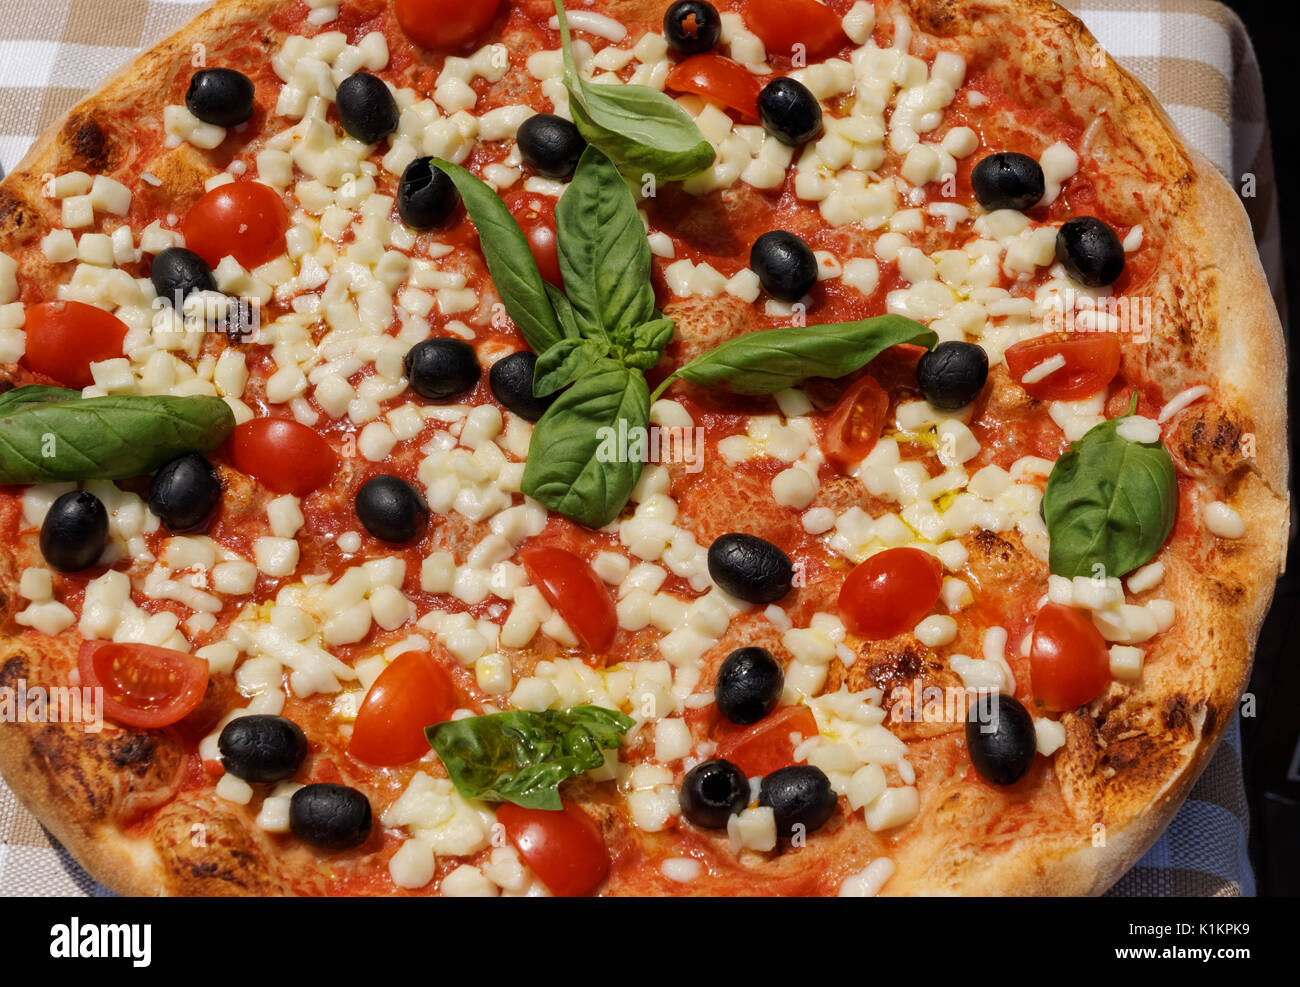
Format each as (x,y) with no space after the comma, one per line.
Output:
(13,670)
(1228,594)
(992,547)
(15,216)
(900,667)
(88,142)
(133,750)
(1221,435)
(1177,716)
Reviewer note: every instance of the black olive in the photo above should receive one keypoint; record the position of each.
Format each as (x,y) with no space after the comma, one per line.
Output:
(184,492)
(789,111)
(952,374)
(333,817)
(391,509)
(712,792)
(75,531)
(262,748)
(511,380)
(366,107)
(177,271)
(799,795)
(425,195)
(1007,181)
(749,685)
(750,568)
(1000,737)
(1090,250)
(550,145)
(692,27)
(440,369)
(220,96)
(785,265)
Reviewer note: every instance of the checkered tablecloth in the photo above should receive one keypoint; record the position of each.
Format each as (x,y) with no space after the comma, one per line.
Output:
(1193,54)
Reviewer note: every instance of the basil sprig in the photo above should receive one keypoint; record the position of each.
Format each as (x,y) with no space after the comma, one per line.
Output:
(50,434)
(769,360)
(601,332)
(522,757)
(637,127)
(599,336)
(1109,502)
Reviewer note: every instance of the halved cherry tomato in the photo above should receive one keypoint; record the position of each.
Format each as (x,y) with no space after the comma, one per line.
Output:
(243,220)
(766,746)
(412,693)
(565,849)
(574,589)
(890,592)
(854,425)
(718,78)
(535,215)
(1091,362)
(1069,664)
(445,23)
(286,456)
(782,24)
(144,686)
(65,338)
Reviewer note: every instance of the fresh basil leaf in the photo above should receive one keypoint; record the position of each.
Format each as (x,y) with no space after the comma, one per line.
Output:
(30,394)
(639,128)
(646,342)
(510,262)
(604,252)
(522,757)
(105,438)
(1109,502)
(564,363)
(576,466)
(563,312)
(770,360)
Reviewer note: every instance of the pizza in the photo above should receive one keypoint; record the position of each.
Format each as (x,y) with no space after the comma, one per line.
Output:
(763,447)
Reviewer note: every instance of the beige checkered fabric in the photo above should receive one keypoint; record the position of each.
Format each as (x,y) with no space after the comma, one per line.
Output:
(1193,54)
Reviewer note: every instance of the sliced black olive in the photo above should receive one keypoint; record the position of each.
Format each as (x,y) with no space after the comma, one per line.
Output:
(692,27)
(425,195)
(749,685)
(952,374)
(1008,181)
(184,492)
(789,111)
(550,145)
(799,795)
(75,531)
(1090,250)
(177,271)
(333,817)
(784,264)
(511,380)
(1000,737)
(712,792)
(750,568)
(366,107)
(440,369)
(262,748)
(391,509)
(220,96)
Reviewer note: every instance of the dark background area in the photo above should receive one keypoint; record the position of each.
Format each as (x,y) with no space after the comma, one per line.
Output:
(1270,739)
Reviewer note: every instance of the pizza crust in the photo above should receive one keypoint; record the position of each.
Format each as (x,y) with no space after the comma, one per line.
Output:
(1221,329)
